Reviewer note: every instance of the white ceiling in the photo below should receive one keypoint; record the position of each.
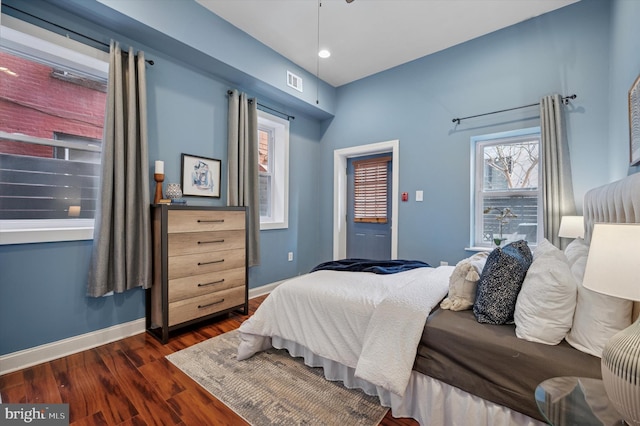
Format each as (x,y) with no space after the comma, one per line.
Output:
(369,36)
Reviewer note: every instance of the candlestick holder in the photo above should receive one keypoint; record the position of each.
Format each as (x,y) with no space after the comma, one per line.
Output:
(159,178)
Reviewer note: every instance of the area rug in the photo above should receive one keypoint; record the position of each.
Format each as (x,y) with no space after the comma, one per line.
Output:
(272,388)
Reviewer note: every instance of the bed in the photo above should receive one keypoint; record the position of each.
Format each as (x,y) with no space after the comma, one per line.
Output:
(443,366)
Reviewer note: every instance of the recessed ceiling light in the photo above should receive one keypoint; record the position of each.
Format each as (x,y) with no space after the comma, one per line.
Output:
(324,53)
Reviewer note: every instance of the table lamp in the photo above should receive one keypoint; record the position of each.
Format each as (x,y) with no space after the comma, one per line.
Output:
(571,227)
(612,269)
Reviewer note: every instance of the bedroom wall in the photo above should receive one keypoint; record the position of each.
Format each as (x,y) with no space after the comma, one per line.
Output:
(566,51)
(625,68)
(43,286)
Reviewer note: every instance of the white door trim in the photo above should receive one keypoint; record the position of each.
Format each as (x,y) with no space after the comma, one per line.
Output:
(340,157)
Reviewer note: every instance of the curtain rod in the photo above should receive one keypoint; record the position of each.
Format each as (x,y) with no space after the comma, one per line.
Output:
(149,61)
(565,100)
(284,114)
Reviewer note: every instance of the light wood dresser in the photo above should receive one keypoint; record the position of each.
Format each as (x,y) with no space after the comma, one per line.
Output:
(199,266)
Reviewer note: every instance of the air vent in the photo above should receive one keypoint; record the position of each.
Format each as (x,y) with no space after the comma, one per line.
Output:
(294,81)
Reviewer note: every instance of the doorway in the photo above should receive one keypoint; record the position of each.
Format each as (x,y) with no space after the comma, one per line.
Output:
(369,207)
(340,158)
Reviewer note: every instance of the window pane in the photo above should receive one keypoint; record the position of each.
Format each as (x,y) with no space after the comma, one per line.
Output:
(511,166)
(53,171)
(507,188)
(264,182)
(370,190)
(511,218)
(264,139)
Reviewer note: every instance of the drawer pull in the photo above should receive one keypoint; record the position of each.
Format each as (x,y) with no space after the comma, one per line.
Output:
(210,220)
(208,263)
(211,283)
(210,304)
(211,242)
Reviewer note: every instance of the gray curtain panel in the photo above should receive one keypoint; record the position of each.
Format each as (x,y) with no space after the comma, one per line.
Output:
(557,190)
(242,160)
(121,256)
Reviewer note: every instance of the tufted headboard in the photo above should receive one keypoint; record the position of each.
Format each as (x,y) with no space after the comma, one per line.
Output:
(617,202)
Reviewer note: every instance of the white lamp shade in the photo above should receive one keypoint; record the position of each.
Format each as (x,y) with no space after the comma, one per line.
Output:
(571,227)
(612,269)
(614,257)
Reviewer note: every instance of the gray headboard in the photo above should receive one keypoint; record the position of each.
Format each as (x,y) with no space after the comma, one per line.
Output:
(617,202)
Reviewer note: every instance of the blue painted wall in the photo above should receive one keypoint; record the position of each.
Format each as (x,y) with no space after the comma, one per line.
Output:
(590,48)
(566,51)
(625,68)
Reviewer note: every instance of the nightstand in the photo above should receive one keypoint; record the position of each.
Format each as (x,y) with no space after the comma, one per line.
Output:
(565,401)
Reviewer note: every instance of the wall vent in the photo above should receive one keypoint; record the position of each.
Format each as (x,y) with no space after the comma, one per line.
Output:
(294,81)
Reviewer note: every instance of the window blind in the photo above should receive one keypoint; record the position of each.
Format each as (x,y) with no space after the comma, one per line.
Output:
(370,190)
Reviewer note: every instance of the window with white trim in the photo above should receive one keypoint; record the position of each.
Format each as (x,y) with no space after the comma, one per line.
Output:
(273,174)
(52,107)
(507,188)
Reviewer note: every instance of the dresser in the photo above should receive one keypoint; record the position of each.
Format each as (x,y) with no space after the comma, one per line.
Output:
(199,266)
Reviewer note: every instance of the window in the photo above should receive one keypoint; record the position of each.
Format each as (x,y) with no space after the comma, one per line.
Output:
(52,106)
(370,190)
(273,175)
(507,188)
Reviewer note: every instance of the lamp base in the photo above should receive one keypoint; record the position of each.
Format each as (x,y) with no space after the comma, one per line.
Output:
(621,372)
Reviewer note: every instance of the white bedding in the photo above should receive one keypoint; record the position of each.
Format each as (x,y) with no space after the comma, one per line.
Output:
(365,321)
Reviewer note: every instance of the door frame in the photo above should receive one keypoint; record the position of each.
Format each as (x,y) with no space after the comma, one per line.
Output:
(340,157)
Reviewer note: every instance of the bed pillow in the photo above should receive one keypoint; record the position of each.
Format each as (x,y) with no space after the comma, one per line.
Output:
(463,283)
(598,316)
(547,301)
(500,283)
(577,249)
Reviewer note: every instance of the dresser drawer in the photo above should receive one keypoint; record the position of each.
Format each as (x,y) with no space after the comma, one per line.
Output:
(197,285)
(203,263)
(196,307)
(202,242)
(204,220)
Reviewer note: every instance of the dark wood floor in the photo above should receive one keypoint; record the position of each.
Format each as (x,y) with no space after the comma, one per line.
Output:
(129,382)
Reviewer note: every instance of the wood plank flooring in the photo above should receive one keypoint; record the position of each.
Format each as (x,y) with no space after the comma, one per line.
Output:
(129,382)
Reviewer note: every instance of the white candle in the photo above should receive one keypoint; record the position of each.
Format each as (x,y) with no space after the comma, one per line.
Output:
(159,167)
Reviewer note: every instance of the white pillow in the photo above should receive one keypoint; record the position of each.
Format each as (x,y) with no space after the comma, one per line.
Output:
(598,317)
(576,250)
(547,300)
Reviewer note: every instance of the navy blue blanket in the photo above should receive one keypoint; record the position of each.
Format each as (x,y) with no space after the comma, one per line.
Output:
(367,265)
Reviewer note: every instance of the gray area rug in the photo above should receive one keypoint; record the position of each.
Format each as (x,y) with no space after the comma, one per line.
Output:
(272,388)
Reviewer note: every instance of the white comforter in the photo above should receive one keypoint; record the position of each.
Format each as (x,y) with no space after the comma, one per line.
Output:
(369,322)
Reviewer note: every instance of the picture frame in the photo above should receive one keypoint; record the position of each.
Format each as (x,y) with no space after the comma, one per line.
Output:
(634,122)
(200,176)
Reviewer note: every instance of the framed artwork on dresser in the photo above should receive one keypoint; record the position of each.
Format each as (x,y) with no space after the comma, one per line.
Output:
(634,122)
(200,176)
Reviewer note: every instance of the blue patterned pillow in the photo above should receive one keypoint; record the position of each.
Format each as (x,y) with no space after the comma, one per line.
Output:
(500,283)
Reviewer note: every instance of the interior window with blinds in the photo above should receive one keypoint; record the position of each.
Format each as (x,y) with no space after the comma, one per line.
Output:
(370,190)
(52,108)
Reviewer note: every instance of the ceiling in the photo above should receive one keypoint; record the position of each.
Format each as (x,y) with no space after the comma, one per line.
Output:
(369,36)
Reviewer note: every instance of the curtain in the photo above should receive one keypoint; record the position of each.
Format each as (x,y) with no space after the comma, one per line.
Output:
(242,160)
(121,256)
(557,190)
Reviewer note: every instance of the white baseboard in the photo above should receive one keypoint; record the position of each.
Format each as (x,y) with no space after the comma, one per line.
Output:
(54,350)
(50,351)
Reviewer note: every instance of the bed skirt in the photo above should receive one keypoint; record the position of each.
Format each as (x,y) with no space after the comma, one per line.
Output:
(427,400)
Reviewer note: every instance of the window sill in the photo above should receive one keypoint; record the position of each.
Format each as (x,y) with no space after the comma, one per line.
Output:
(30,232)
(265,226)
(478,249)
